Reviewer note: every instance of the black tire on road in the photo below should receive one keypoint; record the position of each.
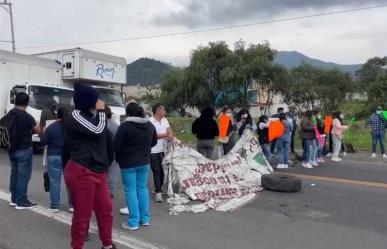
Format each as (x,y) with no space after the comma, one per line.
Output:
(281,183)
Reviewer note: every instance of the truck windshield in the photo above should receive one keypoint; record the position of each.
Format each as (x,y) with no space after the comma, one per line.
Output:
(42,96)
(111,97)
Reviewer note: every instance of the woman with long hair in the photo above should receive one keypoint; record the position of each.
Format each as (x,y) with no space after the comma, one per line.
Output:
(337,134)
(206,129)
(244,120)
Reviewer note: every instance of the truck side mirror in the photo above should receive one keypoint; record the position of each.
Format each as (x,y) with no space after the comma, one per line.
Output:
(12,95)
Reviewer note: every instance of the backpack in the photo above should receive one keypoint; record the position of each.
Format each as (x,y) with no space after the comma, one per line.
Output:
(9,136)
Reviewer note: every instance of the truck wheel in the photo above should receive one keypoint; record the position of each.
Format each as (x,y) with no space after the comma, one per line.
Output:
(281,183)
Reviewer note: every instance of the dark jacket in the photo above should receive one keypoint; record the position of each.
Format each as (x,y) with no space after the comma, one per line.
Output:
(133,142)
(53,138)
(205,128)
(263,135)
(307,129)
(320,126)
(88,141)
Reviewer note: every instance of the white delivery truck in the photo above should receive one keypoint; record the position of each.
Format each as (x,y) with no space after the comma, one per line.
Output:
(106,73)
(40,78)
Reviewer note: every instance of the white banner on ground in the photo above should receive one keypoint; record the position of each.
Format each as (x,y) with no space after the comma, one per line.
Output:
(223,185)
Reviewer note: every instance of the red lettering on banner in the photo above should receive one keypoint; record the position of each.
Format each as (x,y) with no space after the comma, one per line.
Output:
(213,180)
(199,180)
(206,180)
(185,184)
(192,182)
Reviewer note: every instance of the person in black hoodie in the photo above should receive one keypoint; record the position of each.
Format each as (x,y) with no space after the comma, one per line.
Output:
(91,152)
(133,143)
(206,129)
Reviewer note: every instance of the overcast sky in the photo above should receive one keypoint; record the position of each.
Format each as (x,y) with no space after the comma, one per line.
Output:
(344,38)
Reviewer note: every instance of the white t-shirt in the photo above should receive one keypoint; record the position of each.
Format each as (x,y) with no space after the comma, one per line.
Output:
(161,128)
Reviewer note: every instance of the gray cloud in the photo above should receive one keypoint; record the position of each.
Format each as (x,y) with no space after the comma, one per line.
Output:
(198,13)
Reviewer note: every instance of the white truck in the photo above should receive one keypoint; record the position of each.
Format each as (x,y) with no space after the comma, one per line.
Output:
(106,73)
(51,75)
(39,77)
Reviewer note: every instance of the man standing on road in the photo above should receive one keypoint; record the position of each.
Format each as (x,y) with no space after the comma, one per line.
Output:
(272,145)
(293,115)
(377,126)
(164,134)
(21,154)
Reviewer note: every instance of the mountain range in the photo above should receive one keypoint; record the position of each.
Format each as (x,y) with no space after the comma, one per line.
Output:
(147,71)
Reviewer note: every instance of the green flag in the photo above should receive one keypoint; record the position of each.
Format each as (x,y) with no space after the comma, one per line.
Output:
(385,115)
(352,121)
(314,120)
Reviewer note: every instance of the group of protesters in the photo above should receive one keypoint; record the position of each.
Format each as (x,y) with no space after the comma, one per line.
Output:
(92,150)
(319,136)
(86,145)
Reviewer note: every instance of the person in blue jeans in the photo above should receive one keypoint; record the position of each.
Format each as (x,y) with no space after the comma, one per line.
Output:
(20,155)
(263,136)
(53,139)
(133,143)
(283,142)
(378,126)
(308,137)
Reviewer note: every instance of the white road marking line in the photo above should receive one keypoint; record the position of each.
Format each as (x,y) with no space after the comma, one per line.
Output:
(119,237)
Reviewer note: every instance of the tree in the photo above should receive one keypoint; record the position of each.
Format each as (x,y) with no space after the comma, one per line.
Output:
(204,73)
(370,70)
(248,64)
(176,92)
(311,87)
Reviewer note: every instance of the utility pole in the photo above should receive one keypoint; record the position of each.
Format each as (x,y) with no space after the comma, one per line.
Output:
(9,10)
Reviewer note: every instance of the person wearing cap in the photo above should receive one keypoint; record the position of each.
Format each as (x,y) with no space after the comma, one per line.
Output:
(91,153)
(377,126)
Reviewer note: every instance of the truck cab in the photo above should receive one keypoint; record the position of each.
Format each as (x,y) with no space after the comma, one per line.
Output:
(40,96)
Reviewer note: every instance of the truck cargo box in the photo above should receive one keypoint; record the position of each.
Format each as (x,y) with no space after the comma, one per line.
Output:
(87,65)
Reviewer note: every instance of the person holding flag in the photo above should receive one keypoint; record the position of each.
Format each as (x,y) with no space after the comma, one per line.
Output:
(377,124)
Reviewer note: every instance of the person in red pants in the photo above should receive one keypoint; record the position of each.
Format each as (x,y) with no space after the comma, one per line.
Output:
(91,153)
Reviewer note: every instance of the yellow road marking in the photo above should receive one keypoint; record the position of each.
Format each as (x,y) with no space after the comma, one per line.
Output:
(340,180)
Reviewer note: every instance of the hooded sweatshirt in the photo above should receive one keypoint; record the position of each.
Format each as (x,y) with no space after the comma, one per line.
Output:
(133,142)
(88,141)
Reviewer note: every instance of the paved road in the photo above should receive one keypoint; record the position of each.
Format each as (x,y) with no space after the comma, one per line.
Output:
(325,215)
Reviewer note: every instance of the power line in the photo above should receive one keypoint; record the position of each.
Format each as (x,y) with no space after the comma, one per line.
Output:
(213,29)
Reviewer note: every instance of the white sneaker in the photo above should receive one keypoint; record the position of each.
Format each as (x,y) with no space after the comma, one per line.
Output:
(279,166)
(54,210)
(320,160)
(329,155)
(159,197)
(124,211)
(125,226)
(71,210)
(315,164)
(345,154)
(307,165)
(285,166)
(373,155)
(12,204)
(385,156)
(336,159)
